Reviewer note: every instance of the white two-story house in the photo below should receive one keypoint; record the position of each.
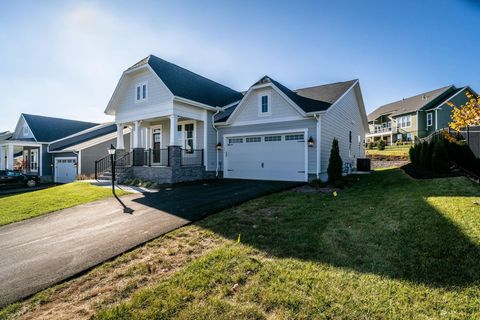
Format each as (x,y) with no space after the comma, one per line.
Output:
(186,127)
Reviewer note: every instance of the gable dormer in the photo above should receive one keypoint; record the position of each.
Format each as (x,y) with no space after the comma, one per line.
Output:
(22,130)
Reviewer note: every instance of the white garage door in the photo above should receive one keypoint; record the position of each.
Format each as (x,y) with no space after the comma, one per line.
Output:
(266,157)
(65,170)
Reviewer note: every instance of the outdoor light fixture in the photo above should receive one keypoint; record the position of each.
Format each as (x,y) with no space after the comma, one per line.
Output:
(311,142)
(112,150)
(219,146)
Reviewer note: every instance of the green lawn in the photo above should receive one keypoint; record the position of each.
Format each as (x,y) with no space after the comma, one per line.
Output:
(390,247)
(390,151)
(27,205)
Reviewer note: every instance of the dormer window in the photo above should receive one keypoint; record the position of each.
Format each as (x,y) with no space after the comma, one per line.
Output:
(141,93)
(264,105)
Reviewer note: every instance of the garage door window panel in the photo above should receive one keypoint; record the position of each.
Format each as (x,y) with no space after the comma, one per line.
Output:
(294,137)
(253,139)
(273,138)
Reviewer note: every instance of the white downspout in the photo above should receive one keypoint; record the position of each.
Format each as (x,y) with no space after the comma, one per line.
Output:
(319,144)
(216,151)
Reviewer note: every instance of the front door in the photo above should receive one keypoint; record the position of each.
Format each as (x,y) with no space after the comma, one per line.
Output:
(157,145)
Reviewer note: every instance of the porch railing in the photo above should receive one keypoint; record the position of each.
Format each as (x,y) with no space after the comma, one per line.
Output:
(192,157)
(156,157)
(122,163)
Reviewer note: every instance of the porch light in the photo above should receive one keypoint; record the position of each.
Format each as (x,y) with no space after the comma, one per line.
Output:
(311,142)
(219,146)
(112,150)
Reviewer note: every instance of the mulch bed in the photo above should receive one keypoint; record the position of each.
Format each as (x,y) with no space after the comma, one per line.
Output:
(417,172)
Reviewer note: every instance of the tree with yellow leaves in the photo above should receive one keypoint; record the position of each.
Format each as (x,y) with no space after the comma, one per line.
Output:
(466,115)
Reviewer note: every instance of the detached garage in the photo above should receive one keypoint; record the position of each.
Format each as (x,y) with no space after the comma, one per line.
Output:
(270,156)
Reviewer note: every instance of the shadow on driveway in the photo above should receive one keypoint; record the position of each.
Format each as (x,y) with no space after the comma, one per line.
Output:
(195,201)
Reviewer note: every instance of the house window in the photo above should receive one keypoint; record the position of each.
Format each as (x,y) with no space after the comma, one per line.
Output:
(429,119)
(253,139)
(264,105)
(404,122)
(33,160)
(25,130)
(141,93)
(186,132)
(409,136)
(399,136)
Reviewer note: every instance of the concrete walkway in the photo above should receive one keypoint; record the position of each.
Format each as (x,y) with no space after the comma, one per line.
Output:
(40,252)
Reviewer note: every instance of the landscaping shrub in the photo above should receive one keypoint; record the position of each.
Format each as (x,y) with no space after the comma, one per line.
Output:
(430,148)
(335,163)
(440,157)
(371,145)
(424,160)
(418,152)
(411,154)
(381,145)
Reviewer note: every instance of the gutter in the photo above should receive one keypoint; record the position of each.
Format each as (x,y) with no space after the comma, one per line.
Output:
(216,151)
(319,144)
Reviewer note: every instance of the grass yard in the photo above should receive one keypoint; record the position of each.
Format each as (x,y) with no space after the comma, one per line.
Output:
(398,151)
(23,206)
(390,247)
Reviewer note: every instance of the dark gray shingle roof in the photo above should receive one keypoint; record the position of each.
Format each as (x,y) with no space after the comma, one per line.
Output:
(47,129)
(189,85)
(413,104)
(311,99)
(80,137)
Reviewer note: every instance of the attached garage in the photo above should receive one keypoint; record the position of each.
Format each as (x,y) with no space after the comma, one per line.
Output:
(65,169)
(266,156)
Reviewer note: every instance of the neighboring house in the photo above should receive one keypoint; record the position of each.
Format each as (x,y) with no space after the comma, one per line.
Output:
(55,149)
(186,127)
(415,117)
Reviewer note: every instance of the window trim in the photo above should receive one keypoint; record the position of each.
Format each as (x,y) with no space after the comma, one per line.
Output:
(140,86)
(34,157)
(269,104)
(429,119)
(408,121)
(181,134)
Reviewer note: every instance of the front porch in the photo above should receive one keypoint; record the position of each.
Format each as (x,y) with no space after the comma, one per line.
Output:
(21,156)
(164,150)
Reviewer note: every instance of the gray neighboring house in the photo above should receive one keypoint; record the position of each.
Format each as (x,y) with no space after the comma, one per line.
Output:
(55,149)
(186,127)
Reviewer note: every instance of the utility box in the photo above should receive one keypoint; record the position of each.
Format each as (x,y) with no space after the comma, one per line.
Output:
(363,164)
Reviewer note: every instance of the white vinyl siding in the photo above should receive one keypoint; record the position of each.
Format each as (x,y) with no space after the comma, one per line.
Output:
(158,97)
(278,107)
(337,123)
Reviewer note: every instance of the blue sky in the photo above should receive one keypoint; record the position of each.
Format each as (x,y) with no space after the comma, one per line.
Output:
(64,58)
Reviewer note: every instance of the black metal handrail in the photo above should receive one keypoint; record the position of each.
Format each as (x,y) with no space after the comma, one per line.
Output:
(122,162)
(192,157)
(156,157)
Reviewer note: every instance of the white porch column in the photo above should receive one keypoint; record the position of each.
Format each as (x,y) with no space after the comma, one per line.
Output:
(120,144)
(2,158)
(148,137)
(10,157)
(173,130)
(137,137)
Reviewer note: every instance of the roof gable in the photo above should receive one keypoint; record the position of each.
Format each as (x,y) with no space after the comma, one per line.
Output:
(312,99)
(189,85)
(412,104)
(46,129)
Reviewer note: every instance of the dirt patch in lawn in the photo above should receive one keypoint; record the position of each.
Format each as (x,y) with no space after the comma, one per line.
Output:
(381,157)
(118,279)
(417,172)
(387,164)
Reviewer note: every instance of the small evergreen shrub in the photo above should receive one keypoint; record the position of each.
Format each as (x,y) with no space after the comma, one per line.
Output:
(430,148)
(381,145)
(424,160)
(440,157)
(335,163)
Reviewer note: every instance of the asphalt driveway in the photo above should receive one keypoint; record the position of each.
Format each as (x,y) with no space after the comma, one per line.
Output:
(37,253)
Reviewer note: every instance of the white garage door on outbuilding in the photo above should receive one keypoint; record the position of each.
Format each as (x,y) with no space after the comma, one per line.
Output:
(278,156)
(65,169)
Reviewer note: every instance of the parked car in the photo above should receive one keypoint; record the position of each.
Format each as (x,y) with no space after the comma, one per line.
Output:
(10,178)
